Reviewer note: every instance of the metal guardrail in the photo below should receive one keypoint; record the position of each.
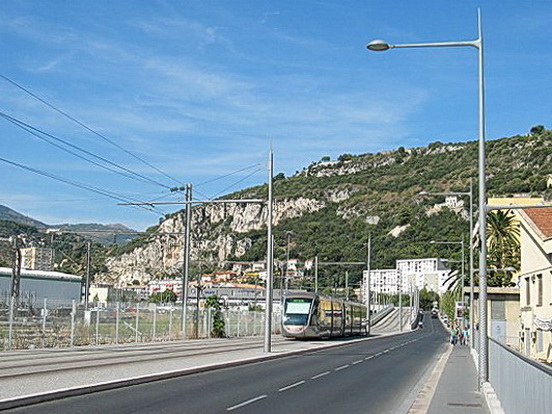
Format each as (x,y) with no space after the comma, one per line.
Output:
(381,314)
(521,384)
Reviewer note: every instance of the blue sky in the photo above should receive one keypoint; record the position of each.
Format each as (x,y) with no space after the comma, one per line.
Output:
(199,89)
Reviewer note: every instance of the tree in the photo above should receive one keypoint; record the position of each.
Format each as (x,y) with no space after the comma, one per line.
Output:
(427,298)
(537,130)
(164,297)
(503,246)
(218,320)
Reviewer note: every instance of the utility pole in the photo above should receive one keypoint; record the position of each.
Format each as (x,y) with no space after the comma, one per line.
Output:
(346,285)
(286,273)
(400,302)
(315,273)
(186,267)
(87,280)
(269,260)
(368,281)
(16,269)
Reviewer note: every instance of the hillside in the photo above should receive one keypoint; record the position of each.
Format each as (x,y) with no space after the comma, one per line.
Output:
(7,213)
(331,208)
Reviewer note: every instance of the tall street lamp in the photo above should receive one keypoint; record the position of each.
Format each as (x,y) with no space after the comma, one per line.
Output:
(380,45)
(470,195)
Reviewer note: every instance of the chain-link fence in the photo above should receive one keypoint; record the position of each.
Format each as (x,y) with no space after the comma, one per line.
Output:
(120,323)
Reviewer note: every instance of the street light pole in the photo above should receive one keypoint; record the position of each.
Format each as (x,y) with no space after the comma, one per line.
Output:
(380,45)
(368,281)
(269,260)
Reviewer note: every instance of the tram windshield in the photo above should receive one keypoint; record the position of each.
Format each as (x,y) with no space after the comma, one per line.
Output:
(296,311)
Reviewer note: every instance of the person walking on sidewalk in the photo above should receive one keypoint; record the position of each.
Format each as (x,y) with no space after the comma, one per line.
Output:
(454,335)
(465,333)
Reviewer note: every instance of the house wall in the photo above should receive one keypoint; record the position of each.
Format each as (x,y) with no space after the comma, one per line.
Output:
(535,295)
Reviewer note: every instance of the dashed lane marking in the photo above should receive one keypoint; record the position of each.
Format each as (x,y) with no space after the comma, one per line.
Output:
(243,404)
(322,374)
(291,386)
(341,367)
(357,362)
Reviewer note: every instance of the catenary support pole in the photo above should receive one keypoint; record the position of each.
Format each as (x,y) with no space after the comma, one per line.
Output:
(269,261)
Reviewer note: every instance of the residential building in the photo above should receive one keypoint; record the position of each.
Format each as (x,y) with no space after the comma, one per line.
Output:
(535,283)
(502,314)
(429,273)
(37,258)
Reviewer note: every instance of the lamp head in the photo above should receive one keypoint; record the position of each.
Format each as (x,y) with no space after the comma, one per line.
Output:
(378,45)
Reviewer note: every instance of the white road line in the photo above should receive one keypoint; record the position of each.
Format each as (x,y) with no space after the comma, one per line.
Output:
(243,404)
(341,367)
(291,386)
(357,362)
(369,357)
(322,374)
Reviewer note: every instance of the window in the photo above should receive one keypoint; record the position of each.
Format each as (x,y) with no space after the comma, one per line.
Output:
(539,290)
(528,291)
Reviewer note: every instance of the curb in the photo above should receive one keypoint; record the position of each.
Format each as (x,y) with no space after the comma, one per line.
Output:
(493,403)
(425,396)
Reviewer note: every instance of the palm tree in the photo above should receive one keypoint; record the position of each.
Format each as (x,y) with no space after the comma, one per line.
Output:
(503,246)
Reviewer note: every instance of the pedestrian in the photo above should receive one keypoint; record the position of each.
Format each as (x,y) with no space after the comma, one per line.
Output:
(465,333)
(453,335)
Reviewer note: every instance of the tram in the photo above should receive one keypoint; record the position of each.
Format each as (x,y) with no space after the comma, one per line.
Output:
(314,315)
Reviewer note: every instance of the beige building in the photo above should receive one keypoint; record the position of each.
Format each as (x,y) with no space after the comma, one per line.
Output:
(502,313)
(37,258)
(535,283)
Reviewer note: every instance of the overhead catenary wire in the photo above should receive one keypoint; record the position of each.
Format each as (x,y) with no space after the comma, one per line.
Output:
(46,137)
(236,183)
(79,185)
(226,175)
(83,125)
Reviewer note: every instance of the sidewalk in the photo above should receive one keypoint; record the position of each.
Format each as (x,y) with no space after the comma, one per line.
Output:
(457,391)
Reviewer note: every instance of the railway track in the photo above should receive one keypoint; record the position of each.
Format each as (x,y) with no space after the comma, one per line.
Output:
(36,362)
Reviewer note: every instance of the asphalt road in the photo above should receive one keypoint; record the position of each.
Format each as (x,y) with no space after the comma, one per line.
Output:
(380,375)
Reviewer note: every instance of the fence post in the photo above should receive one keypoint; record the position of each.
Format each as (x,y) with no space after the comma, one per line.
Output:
(116,322)
(44,313)
(170,323)
(73,314)
(154,322)
(209,321)
(97,325)
(137,319)
(10,324)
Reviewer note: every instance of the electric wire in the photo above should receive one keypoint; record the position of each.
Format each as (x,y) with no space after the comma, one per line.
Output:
(226,175)
(83,186)
(46,137)
(75,120)
(29,129)
(236,183)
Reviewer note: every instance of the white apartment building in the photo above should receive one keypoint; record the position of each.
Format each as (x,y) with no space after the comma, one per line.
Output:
(37,258)
(429,273)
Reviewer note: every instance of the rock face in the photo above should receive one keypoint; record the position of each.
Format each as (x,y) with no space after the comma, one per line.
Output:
(215,231)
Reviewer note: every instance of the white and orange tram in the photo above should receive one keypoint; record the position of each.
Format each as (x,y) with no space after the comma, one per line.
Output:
(314,315)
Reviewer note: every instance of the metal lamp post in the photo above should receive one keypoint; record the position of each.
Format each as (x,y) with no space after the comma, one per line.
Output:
(380,45)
